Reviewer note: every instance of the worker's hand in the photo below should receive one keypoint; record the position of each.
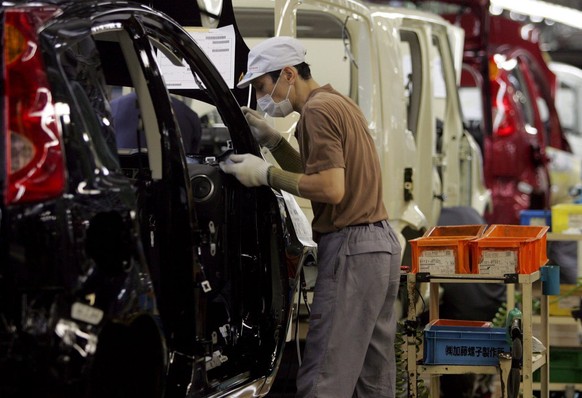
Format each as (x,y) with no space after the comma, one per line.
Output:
(249,169)
(265,135)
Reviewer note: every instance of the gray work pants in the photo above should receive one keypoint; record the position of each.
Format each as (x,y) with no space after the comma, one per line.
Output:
(349,350)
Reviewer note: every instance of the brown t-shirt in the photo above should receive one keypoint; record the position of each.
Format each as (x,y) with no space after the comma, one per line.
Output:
(333,132)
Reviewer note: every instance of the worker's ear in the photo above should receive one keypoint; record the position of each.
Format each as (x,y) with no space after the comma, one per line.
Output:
(289,73)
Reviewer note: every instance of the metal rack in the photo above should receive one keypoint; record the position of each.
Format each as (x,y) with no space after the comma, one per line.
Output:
(531,361)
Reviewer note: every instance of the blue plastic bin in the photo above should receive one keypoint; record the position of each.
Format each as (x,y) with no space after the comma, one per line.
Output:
(536,217)
(456,342)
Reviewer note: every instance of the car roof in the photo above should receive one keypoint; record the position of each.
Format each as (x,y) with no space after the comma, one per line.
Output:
(408,13)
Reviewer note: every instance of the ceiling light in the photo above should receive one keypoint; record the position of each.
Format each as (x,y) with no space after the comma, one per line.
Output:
(541,9)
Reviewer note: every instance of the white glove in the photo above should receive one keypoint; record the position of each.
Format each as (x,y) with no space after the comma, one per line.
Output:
(249,169)
(265,135)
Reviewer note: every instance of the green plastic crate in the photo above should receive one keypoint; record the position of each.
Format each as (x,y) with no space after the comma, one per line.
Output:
(565,365)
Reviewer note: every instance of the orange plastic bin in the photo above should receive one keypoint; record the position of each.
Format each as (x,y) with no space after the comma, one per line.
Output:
(444,250)
(509,249)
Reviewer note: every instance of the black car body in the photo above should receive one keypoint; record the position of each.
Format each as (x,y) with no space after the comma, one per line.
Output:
(130,271)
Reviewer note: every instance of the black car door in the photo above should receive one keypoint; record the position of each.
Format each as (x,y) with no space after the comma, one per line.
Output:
(216,249)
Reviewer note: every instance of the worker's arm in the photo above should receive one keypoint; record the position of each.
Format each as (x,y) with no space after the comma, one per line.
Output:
(287,157)
(327,186)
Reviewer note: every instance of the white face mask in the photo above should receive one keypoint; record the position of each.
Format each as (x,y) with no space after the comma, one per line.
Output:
(275,109)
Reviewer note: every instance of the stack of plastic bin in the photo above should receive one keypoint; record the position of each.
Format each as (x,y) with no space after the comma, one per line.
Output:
(509,249)
(444,250)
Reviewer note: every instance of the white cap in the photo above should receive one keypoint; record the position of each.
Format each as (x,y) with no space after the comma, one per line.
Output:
(271,55)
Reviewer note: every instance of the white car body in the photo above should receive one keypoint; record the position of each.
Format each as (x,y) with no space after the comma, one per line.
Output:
(566,168)
(569,102)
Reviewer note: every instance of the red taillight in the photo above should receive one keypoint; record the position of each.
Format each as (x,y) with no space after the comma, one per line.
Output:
(504,118)
(35,163)
(508,124)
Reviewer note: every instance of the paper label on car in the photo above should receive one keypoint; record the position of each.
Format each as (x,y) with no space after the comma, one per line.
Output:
(86,313)
(218,45)
(299,220)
